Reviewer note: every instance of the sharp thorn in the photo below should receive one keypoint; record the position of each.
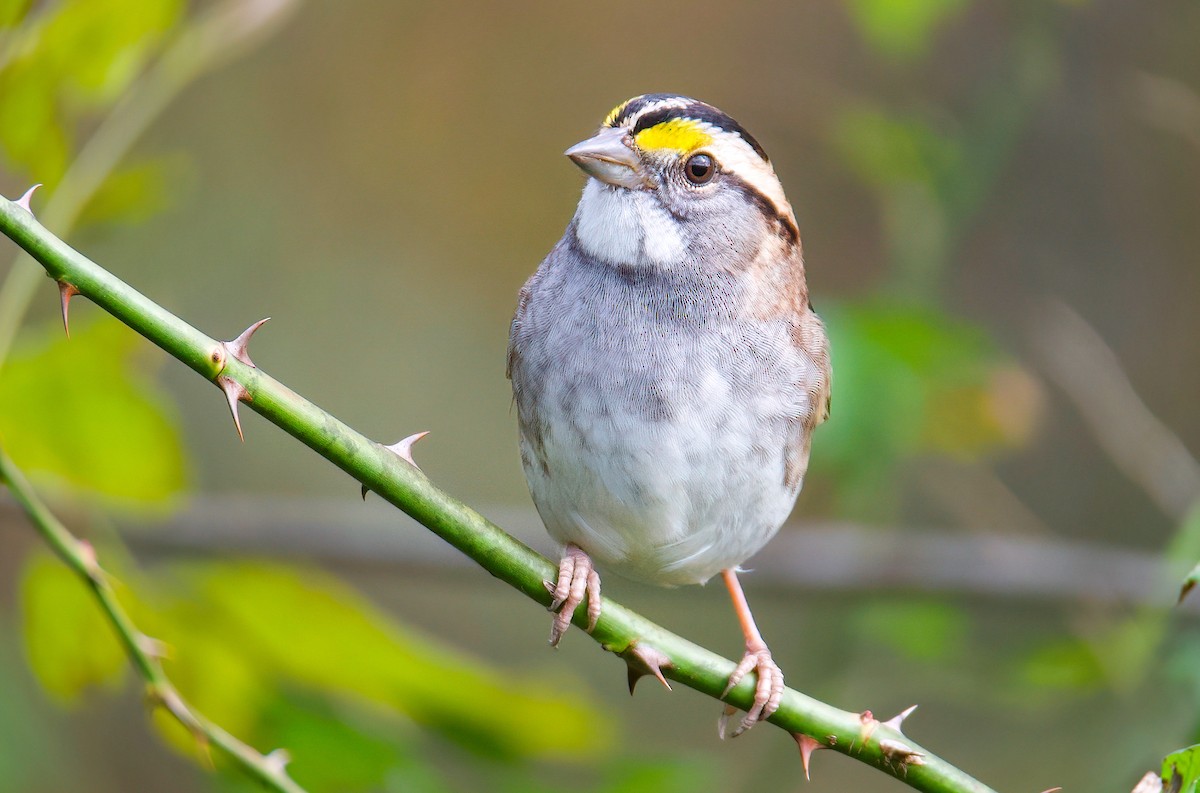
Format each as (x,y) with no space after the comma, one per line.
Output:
(239,347)
(642,660)
(66,291)
(403,448)
(1187,587)
(1150,783)
(895,721)
(276,762)
(364,492)
(808,745)
(1058,789)
(23,201)
(234,392)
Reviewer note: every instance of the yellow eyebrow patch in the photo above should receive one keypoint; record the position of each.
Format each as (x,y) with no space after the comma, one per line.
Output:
(681,134)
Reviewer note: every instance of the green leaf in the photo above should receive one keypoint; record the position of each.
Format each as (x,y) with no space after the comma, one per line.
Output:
(902,28)
(305,627)
(1181,771)
(69,643)
(1189,582)
(85,413)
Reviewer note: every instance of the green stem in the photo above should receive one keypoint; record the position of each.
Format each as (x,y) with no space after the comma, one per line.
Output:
(407,488)
(81,558)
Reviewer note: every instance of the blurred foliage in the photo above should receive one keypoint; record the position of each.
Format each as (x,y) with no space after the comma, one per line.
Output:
(274,654)
(911,380)
(288,656)
(70,645)
(68,63)
(31,756)
(1189,582)
(911,377)
(88,413)
(902,28)
(925,631)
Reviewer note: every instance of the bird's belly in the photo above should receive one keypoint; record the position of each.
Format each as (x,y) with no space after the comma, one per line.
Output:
(663,479)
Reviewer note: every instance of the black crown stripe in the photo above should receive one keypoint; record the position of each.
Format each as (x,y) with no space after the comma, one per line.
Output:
(695,110)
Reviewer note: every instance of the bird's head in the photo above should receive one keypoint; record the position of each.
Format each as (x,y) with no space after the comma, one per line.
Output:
(677,176)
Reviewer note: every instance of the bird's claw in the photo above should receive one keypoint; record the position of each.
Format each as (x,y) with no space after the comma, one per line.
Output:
(768,690)
(577,578)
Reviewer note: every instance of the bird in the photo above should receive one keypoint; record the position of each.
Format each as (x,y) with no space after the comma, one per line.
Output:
(667,367)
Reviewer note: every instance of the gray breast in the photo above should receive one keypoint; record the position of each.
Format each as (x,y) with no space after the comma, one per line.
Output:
(654,416)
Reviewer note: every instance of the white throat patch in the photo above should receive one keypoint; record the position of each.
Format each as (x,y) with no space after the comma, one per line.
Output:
(622,226)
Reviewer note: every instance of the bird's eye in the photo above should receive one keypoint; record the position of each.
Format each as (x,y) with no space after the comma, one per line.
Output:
(699,169)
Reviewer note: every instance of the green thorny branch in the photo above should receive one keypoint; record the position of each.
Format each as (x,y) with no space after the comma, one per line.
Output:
(143,651)
(646,647)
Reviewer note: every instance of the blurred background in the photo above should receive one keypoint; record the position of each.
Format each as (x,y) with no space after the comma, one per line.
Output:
(998,204)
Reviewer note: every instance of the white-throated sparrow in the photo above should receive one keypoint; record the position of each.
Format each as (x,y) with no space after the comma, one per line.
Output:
(667,365)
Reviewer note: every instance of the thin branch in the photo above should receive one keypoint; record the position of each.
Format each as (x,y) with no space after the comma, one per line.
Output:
(1142,446)
(830,556)
(620,630)
(141,649)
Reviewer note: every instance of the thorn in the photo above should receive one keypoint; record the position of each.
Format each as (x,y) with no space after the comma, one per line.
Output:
(403,448)
(1150,783)
(895,721)
(1187,587)
(23,201)
(899,756)
(276,762)
(238,347)
(91,563)
(642,660)
(808,745)
(66,291)
(154,648)
(1057,789)
(234,392)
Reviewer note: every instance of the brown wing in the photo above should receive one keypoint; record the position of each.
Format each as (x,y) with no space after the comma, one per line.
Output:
(514,329)
(808,334)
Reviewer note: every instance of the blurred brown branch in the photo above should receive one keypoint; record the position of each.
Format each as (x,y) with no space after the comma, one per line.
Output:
(806,555)
(1074,356)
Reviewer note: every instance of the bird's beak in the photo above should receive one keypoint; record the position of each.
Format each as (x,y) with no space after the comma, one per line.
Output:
(607,157)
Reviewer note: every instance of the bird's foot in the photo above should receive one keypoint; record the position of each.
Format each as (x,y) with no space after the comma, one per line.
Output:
(577,578)
(768,690)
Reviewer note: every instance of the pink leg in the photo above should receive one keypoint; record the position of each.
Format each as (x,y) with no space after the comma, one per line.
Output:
(768,690)
(576,578)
